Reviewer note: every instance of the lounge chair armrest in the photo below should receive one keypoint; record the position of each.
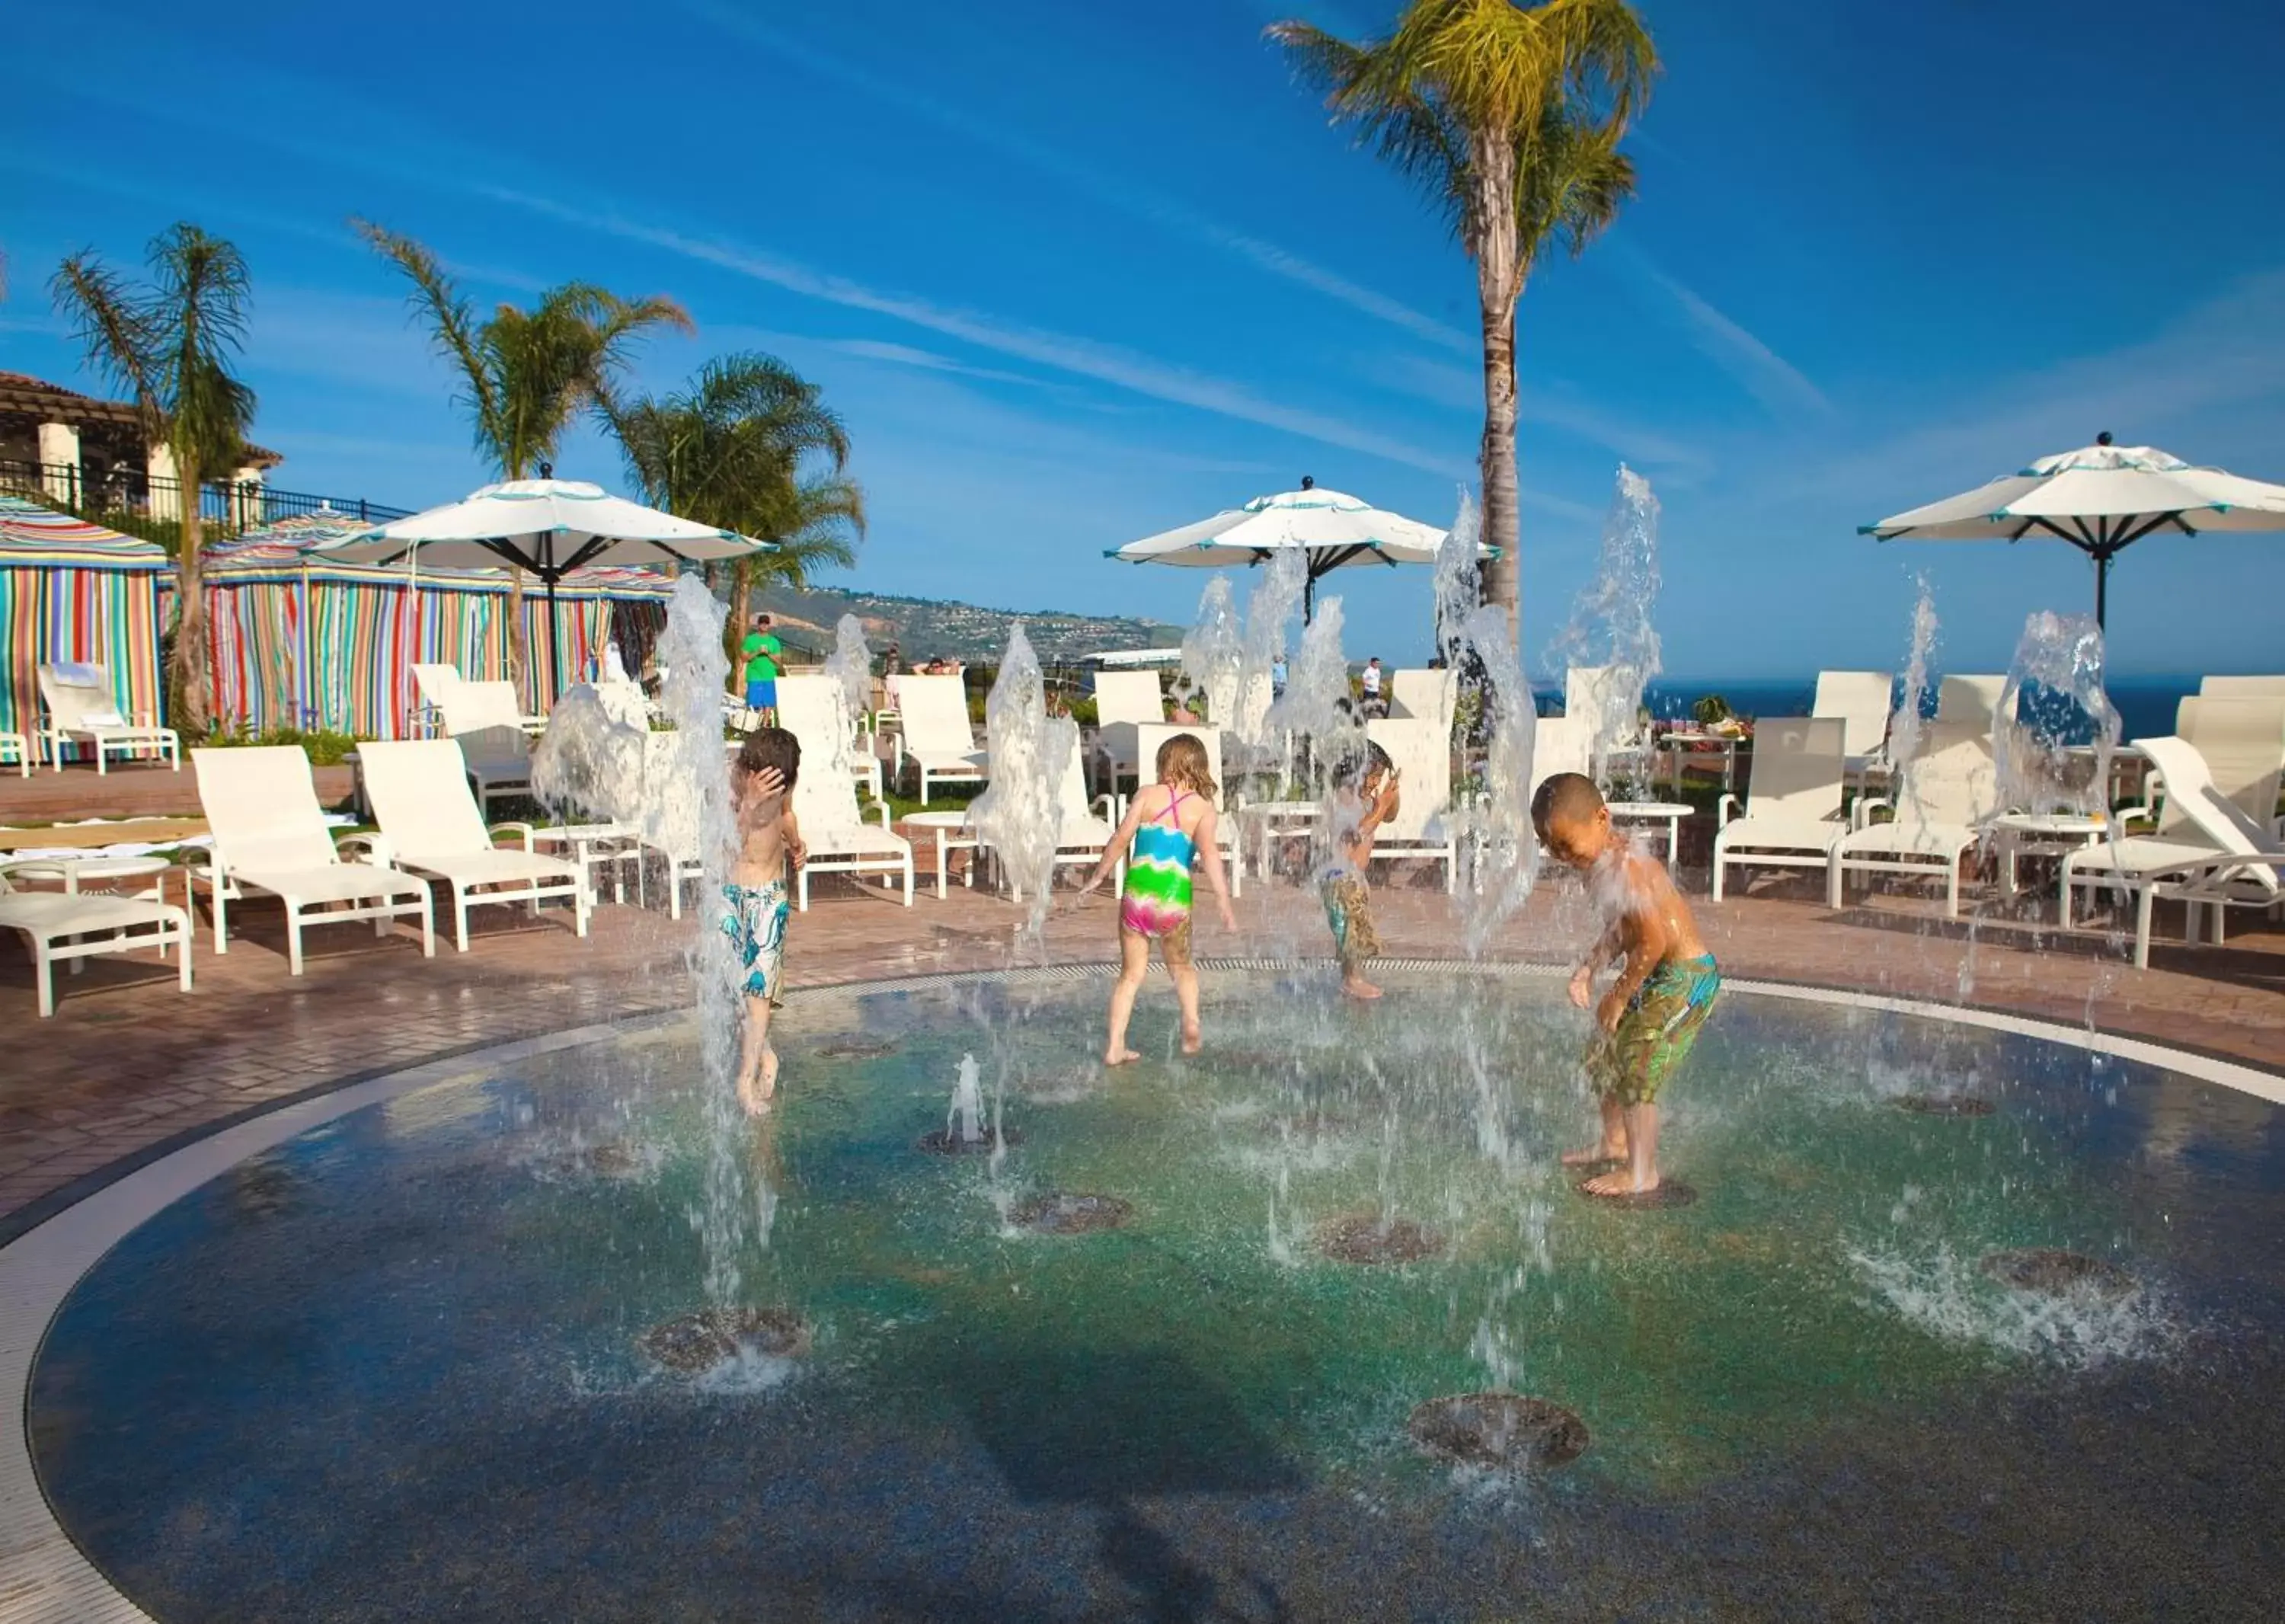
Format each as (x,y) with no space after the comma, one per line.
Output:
(887,818)
(374,846)
(1728,807)
(1109,805)
(1861,815)
(524,831)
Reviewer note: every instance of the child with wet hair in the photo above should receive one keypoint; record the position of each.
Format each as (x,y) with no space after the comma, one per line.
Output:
(756,899)
(1168,829)
(1364,797)
(1647,1021)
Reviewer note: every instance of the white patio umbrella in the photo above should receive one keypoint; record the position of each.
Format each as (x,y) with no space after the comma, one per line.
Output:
(549,527)
(2101,499)
(1334,530)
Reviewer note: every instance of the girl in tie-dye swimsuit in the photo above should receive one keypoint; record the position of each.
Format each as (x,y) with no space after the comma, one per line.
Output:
(1169,830)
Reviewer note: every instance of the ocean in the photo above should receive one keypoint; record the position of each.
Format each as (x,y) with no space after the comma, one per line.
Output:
(2145,704)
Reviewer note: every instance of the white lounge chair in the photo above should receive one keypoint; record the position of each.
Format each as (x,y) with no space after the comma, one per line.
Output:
(1602,696)
(1087,827)
(818,699)
(2242,687)
(1862,702)
(1423,696)
(1421,750)
(2193,837)
(938,736)
(1971,701)
(2240,733)
(1795,781)
(430,684)
(1125,701)
(485,720)
(55,925)
(17,745)
(270,835)
(1148,739)
(1560,744)
(79,708)
(1950,790)
(825,799)
(429,825)
(2245,867)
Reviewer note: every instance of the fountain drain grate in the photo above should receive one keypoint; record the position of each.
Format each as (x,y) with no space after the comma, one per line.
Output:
(856,1048)
(691,1343)
(1505,1431)
(2055,1272)
(943,1142)
(1366,1237)
(1946,1105)
(1063,1213)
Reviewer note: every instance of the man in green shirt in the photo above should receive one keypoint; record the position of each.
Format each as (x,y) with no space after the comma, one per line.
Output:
(764,657)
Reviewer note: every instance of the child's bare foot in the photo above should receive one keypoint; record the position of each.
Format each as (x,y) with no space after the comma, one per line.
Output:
(1604,1152)
(1193,1040)
(1120,1057)
(1621,1182)
(1357,986)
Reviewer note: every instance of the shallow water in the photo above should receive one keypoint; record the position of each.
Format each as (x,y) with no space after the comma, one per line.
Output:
(393,1368)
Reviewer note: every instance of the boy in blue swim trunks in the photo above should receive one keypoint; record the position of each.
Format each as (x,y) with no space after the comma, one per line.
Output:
(1668,982)
(757,899)
(764,656)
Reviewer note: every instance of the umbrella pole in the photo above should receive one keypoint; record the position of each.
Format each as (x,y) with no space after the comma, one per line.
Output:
(2101,591)
(554,652)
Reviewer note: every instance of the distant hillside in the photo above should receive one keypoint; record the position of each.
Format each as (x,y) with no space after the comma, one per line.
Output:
(924,627)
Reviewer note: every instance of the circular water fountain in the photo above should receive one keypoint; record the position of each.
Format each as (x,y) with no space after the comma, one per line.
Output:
(441,1345)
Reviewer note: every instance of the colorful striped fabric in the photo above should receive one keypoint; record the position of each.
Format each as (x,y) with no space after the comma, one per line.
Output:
(72,591)
(332,645)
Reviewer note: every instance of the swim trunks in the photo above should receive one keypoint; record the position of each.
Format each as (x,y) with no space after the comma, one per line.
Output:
(1348,910)
(1655,1034)
(754,918)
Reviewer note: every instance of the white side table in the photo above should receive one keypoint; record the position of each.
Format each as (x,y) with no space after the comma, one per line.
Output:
(75,873)
(1670,813)
(953,833)
(594,846)
(2021,835)
(1678,748)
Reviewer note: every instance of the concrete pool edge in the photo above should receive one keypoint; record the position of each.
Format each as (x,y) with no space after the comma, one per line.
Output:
(50,1579)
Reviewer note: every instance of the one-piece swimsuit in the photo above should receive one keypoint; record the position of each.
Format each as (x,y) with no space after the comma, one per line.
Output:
(1158,900)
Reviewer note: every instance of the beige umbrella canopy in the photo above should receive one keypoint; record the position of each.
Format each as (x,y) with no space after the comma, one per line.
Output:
(2101,499)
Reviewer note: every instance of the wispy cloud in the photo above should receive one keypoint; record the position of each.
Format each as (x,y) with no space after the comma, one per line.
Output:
(1082,358)
(1749,361)
(1140,201)
(925,360)
(2200,372)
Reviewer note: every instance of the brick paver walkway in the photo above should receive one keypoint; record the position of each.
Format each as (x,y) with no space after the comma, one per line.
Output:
(129,1064)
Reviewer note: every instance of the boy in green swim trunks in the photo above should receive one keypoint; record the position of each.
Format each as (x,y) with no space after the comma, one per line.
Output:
(1652,1015)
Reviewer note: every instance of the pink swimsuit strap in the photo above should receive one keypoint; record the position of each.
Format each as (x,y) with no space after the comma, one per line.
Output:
(1167,812)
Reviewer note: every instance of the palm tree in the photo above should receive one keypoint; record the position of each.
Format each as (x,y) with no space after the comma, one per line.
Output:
(1510,118)
(750,446)
(528,373)
(171,344)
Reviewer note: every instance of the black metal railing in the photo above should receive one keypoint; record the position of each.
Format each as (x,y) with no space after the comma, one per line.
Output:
(138,498)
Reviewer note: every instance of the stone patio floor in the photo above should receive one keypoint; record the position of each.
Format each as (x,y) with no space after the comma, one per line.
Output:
(129,1064)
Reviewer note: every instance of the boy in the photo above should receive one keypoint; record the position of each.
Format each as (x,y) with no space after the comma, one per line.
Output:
(1364,797)
(762,652)
(1666,987)
(756,899)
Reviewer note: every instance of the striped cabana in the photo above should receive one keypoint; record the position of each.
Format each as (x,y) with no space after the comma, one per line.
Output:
(72,591)
(309,642)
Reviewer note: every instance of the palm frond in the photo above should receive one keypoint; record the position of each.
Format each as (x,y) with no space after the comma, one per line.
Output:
(202,283)
(115,328)
(452,324)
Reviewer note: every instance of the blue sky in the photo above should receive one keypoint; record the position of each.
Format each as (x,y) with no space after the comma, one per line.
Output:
(1075,277)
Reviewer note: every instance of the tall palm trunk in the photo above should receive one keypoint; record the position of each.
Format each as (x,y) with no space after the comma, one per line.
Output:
(1499,282)
(734,623)
(190,679)
(519,636)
